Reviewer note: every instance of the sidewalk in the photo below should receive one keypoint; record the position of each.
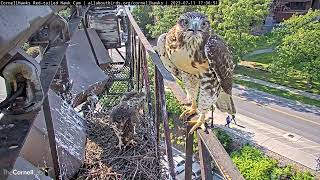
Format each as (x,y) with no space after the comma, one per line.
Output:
(260,51)
(277,86)
(287,144)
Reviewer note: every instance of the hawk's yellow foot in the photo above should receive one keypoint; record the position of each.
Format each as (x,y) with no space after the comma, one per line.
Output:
(197,123)
(189,111)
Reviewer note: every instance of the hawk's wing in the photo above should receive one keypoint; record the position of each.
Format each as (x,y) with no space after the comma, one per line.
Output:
(161,50)
(220,61)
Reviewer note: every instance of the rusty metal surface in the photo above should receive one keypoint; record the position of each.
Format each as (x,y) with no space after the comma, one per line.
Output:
(205,161)
(102,54)
(152,54)
(69,135)
(105,22)
(51,137)
(212,144)
(84,72)
(219,155)
(18,23)
(50,64)
(161,101)
(189,154)
(74,24)
(145,75)
(13,130)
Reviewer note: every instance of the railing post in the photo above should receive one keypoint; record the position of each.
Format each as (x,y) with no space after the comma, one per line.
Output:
(161,100)
(138,65)
(205,161)
(157,107)
(51,137)
(146,81)
(189,154)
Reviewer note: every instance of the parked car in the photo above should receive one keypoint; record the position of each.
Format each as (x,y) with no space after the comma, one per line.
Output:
(178,160)
(196,171)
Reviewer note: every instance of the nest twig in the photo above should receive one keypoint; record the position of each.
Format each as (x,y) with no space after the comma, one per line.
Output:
(104,160)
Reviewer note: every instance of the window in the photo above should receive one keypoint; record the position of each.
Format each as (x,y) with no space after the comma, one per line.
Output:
(296,5)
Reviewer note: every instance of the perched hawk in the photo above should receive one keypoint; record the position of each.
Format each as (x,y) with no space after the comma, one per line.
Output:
(192,52)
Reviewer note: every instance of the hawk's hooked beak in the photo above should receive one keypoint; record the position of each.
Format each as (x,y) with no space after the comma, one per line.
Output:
(194,27)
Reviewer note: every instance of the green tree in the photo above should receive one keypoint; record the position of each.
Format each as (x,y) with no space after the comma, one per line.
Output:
(143,16)
(165,17)
(232,19)
(253,164)
(235,20)
(298,51)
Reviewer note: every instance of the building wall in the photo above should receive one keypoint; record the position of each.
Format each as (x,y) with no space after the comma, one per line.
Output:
(284,9)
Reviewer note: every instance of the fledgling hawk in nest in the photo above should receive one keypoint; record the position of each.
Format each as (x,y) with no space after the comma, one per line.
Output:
(192,52)
(125,117)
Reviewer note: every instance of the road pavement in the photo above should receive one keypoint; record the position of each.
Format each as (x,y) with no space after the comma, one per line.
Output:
(288,115)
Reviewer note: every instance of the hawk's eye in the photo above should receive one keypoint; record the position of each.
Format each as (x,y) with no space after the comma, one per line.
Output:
(185,22)
(204,24)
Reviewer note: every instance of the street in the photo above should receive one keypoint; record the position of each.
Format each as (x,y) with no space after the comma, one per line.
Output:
(279,112)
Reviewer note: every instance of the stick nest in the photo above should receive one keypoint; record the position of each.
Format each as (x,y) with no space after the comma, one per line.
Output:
(104,160)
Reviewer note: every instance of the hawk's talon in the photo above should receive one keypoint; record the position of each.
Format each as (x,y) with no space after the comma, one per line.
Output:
(187,113)
(196,124)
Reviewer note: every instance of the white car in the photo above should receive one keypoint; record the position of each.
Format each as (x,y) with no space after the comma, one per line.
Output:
(196,171)
(178,160)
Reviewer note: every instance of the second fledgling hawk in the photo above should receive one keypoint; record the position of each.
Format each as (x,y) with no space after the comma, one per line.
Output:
(192,52)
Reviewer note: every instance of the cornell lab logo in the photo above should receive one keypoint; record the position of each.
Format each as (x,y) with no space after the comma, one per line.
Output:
(17,172)
(33,172)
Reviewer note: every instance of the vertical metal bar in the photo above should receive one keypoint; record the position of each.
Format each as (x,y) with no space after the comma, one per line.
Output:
(51,137)
(205,161)
(189,154)
(90,43)
(164,117)
(128,60)
(157,105)
(212,108)
(141,52)
(146,80)
(134,54)
(138,65)
(128,46)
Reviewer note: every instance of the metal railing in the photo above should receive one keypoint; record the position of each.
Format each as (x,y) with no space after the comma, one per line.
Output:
(53,63)
(152,81)
(210,149)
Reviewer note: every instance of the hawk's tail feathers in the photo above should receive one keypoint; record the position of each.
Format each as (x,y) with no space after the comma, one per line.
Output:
(225,103)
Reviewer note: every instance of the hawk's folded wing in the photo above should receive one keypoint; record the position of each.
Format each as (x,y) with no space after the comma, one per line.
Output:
(220,61)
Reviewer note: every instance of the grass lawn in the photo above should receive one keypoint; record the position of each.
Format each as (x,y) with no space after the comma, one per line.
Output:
(260,59)
(278,92)
(256,66)
(263,42)
(296,81)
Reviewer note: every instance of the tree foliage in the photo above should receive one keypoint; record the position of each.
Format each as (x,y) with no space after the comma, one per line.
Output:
(253,164)
(143,16)
(298,50)
(235,19)
(232,19)
(165,17)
